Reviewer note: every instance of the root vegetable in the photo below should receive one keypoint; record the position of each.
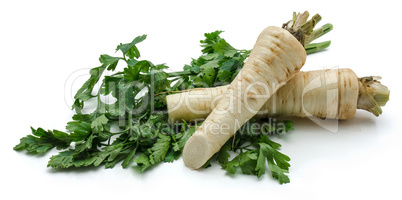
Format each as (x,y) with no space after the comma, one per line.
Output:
(275,58)
(332,93)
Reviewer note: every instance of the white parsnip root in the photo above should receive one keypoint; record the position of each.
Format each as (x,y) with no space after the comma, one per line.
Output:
(276,57)
(331,93)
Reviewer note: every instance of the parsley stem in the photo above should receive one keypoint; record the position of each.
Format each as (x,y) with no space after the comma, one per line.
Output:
(181,73)
(171,74)
(130,122)
(117,133)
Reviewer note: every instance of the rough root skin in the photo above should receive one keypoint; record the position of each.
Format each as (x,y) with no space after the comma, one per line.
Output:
(352,93)
(372,94)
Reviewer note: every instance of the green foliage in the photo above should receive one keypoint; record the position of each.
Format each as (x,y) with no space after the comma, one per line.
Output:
(134,128)
(42,141)
(129,49)
(220,63)
(254,150)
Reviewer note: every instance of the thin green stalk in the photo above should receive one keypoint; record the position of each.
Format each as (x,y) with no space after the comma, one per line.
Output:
(317,33)
(171,74)
(181,73)
(326,28)
(314,47)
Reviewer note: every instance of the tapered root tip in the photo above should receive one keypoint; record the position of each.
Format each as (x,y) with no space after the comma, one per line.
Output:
(196,152)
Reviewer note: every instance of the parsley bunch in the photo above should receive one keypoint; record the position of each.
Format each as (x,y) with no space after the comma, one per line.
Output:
(134,129)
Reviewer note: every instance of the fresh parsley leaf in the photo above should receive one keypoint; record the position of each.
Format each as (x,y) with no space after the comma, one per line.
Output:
(80,130)
(248,162)
(208,76)
(42,141)
(129,49)
(232,166)
(172,155)
(278,163)
(227,69)
(132,72)
(183,136)
(85,92)
(223,154)
(143,162)
(160,148)
(109,61)
(231,65)
(209,41)
(124,93)
(129,159)
(224,76)
(158,80)
(97,124)
(222,46)
(109,152)
(63,160)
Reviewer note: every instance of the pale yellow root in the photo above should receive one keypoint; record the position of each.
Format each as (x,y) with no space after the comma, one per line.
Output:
(323,93)
(274,60)
(334,93)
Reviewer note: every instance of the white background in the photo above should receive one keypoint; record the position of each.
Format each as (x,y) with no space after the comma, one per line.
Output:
(43,42)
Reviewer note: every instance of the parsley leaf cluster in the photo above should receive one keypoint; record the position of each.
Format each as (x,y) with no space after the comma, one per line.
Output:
(133,128)
(219,64)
